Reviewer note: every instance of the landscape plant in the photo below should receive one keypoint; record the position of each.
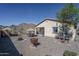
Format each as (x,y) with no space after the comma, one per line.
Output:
(68,15)
(34,41)
(69,53)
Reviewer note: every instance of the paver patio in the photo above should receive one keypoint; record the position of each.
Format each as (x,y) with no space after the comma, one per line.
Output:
(48,46)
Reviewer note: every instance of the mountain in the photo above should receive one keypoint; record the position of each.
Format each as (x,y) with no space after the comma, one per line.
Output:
(22,28)
(1,26)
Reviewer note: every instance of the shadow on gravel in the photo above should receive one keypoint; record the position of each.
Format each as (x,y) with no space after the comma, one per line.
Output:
(7,47)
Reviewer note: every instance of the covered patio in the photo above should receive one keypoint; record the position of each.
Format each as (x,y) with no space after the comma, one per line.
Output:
(40,31)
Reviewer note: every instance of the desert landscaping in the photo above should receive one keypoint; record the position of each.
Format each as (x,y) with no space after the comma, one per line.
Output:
(39,35)
(48,46)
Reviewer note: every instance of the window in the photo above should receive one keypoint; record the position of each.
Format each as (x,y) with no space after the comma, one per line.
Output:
(55,29)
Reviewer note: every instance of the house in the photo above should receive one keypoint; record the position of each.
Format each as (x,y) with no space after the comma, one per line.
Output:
(30,30)
(50,28)
(7,28)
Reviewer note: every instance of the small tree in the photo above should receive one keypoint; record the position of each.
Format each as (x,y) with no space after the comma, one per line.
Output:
(68,15)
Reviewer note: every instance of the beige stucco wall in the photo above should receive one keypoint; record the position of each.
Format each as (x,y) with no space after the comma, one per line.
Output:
(48,27)
(49,31)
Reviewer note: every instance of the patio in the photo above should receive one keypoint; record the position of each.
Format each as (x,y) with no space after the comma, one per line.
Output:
(48,46)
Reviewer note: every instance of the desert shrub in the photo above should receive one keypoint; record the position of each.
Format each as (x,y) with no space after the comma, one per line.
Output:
(69,53)
(34,41)
(20,38)
(57,37)
(13,34)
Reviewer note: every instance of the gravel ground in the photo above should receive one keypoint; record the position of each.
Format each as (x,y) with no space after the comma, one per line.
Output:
(48,46)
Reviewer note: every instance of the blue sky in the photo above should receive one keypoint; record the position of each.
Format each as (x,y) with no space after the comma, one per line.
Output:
(27,13)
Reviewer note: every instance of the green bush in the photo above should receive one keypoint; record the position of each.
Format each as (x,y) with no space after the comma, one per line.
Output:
(69,53)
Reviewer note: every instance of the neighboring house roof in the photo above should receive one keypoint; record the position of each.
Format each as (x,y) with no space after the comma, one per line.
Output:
(30,29)
(7,28)
(7,34)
